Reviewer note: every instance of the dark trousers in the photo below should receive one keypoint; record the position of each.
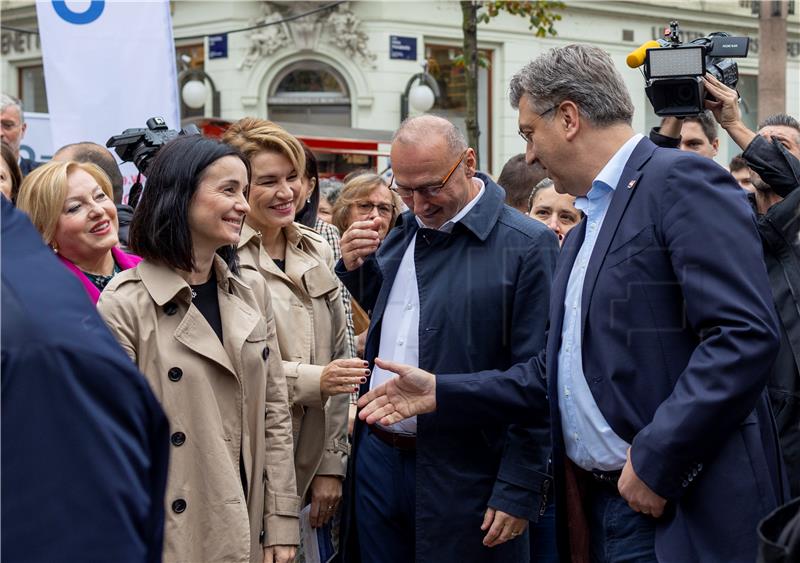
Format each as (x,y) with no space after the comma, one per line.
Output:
(617,534)
(543,537)
(385,478)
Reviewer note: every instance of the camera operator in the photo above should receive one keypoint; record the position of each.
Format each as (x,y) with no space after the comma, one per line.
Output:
(696,133)
(772,155)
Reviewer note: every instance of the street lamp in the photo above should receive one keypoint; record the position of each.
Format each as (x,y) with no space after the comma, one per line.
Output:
(194,91)
(419,97)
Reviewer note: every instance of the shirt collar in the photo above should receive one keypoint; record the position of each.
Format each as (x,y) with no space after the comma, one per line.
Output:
(608,178)
(448,225)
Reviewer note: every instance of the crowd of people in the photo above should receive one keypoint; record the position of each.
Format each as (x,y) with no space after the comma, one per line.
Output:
(593,357)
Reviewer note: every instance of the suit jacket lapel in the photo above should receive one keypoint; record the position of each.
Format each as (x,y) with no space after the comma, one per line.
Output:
(389,263)
(625,189)
(566,259)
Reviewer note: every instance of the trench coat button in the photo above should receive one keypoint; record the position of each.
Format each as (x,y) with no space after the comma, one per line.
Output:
(685,483)
(175,374)
(178,439)
(178,506)
(170,308)
(261,537)
(265,353)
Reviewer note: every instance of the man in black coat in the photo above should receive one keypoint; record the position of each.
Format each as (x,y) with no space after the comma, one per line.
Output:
(85,444)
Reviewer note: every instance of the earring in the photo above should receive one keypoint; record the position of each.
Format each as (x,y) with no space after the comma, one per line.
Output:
(308,200)
(55,248)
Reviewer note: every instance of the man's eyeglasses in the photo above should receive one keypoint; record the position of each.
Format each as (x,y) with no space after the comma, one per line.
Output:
(527,136)
(426,191)
(366,207)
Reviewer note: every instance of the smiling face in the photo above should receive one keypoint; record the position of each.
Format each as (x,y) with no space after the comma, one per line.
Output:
(5,179)
(218,207)
(555,210)
(87,227)
(426,163)
(275,191)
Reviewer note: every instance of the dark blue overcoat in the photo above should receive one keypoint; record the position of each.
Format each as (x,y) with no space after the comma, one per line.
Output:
(484,291)
(84,441)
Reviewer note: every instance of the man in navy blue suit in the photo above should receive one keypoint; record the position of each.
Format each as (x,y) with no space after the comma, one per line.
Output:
(661,337)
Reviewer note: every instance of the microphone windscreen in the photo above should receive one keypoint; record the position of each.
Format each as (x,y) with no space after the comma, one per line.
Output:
(636,58)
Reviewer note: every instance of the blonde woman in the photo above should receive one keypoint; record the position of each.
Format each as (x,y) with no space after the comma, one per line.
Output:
(72,206)
(298,266)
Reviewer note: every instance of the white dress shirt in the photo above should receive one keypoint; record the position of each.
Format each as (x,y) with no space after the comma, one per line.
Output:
(400,324)
(589,440)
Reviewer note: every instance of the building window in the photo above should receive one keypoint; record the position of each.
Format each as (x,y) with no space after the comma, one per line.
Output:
(309,92)
(452,104)
(32,90)
(190,57)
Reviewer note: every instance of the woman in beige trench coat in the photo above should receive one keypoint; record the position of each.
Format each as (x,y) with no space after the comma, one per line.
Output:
(205,340)
(298,266)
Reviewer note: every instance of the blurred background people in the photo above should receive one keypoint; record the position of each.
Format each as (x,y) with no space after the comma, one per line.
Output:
(297,264)
(697,133)
(12,130)
(204,339)
(555,210)
(329,190)
(97,154)
(741,172)
(84,441)
(71,205)
(518,179)
(365,198)
(10,175)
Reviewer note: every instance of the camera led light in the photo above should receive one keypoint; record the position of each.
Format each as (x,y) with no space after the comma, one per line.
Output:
(681,61)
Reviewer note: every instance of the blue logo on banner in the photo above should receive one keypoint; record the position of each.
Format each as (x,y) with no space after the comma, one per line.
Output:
(91,13)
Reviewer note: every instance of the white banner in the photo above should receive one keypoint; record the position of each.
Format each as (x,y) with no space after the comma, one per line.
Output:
(109,65)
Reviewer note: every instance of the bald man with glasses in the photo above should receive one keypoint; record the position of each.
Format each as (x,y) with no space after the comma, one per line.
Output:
(462,283)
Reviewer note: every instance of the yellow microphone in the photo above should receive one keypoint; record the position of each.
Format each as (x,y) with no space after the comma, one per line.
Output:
(636,58)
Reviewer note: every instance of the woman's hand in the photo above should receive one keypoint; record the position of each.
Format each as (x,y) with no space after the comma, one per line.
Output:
(279,554)
(326,493)
(343,376)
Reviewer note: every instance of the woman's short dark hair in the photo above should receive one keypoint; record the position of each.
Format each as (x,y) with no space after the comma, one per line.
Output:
(160,227)
(308,214)
(13,168)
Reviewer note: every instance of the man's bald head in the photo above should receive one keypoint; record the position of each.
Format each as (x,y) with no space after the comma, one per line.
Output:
(96,154)
(430,129)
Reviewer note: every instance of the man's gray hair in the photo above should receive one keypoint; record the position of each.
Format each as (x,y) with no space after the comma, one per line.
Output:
(582,74)
(414,128)
(7,101)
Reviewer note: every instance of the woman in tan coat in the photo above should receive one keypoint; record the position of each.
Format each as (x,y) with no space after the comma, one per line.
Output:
(298,266)
(205,340)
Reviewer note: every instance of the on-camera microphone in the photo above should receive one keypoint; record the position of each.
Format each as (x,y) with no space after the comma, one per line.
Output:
(636,58)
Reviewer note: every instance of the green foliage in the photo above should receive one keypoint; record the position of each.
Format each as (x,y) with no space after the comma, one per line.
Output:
(540,13)
(458,61)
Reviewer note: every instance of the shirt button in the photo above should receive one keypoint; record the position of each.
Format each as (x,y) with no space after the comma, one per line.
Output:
(409,306)
(400,342)
(575,435)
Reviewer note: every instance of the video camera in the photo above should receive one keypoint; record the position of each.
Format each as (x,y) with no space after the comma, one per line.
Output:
(140,145)
(674,71)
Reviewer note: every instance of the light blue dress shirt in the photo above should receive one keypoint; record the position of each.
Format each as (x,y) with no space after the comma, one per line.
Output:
(589,440)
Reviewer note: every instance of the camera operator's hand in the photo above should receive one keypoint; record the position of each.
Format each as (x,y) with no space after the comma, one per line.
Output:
(671,127)
(726,111)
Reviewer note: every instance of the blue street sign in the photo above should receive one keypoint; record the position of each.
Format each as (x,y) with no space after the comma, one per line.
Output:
(404,48)
(218,46)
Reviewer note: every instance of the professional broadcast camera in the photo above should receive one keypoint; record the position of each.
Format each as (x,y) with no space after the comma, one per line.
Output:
(140,145)
(674,71)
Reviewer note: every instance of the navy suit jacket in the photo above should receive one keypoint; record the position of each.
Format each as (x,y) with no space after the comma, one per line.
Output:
(85,444)
(679,333)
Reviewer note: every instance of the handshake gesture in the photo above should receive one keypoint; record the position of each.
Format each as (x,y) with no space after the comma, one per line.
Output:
(412,392)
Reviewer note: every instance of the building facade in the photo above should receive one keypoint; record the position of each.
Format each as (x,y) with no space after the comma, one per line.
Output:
(342,68)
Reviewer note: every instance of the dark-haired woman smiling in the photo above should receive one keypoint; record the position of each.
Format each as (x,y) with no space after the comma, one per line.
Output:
(205,340)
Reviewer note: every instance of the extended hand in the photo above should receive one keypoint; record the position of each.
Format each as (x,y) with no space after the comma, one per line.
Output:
(359,241)
(412,392)
(640,497)
(279,554)
(343,376)
(502,527)
(326,492)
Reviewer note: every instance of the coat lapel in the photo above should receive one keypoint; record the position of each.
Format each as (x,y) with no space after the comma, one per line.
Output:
(623,193)
(389,263)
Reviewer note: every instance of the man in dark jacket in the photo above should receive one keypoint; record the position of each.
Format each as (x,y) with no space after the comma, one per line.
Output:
(462,284)
(772,155)
(84,441)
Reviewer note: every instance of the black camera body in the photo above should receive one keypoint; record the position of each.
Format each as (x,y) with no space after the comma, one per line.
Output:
(140,145)
(674,71)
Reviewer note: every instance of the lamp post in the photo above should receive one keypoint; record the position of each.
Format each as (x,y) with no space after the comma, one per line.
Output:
(422,96)
(194,92)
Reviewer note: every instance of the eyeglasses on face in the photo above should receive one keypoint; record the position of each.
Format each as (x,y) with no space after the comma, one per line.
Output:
(426,191)
(526,135)
(366,207)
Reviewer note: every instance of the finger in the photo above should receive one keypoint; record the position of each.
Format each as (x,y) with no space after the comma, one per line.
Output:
(487,519)
(314,513)
(351,363)
(366,398)
(494,533)
(393,367)
(366,234)
(366,224)
(268,555)
(381,413)
(393,418)
(342,373)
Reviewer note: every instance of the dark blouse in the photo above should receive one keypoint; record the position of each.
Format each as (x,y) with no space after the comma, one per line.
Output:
(204,297)
(99,281)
